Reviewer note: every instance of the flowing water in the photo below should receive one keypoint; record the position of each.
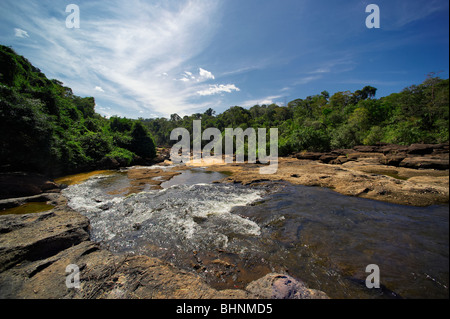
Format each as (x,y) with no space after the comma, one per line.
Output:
(231,234)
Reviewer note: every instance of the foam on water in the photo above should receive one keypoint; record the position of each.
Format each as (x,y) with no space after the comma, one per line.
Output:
(188,217)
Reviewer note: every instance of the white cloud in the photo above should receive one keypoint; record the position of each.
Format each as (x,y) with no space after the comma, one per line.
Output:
(203,75)
(264,100)
(206,75)
(217,89)
(21,33)
(99,89)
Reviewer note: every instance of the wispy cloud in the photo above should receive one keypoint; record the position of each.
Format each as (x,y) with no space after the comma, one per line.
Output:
(307,79)
(401,14)
(321,70)
(267,100)
(129,54)
(218,89)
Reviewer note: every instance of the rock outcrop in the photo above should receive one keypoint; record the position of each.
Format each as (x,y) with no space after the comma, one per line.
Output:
(415,156)
(13,185)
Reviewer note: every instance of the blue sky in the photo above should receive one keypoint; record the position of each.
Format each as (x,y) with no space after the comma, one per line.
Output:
(158,57)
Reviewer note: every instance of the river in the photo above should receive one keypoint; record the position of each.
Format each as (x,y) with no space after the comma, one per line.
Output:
(232,234)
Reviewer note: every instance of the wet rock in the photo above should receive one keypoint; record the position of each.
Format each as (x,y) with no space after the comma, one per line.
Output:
(279,286)
(14,185)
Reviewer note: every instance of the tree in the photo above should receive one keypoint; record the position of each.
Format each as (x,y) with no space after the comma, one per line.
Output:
(369,92)
(175,117)
(142,143)
(210,112)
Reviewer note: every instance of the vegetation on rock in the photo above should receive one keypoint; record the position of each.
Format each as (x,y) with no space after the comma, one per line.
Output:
(45,128)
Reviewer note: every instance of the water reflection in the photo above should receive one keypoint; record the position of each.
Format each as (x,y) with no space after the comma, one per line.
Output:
(328,239)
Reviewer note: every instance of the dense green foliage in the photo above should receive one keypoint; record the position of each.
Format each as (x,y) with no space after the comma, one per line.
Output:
(418,114)
(45,128)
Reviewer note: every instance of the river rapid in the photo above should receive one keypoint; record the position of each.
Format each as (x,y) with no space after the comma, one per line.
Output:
(233,234)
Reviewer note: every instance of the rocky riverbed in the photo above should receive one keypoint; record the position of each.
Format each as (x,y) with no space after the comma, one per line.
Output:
(35,249)
(419,176)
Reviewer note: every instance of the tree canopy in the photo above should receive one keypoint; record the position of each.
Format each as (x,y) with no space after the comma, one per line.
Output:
(417,114)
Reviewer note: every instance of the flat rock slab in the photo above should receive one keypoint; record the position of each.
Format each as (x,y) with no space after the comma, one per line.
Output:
(367,179)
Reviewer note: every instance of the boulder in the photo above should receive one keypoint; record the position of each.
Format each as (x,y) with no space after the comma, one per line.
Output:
(13,185)
(309,155)
(327,158)
(421,149)
(340,160)
(279,286)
